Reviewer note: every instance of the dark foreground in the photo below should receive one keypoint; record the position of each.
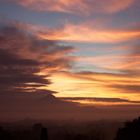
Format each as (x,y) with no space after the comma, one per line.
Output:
(70,130)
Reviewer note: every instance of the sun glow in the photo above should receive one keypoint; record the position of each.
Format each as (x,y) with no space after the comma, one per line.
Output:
(74,85)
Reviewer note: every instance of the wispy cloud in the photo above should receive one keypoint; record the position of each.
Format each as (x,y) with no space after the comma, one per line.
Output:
(118,63)
(100,101)
(87,33)
(77,6)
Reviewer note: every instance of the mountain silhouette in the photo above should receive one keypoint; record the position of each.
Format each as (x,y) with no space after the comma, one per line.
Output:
(49,98)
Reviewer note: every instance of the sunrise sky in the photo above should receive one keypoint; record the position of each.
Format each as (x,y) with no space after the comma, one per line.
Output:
(85,51)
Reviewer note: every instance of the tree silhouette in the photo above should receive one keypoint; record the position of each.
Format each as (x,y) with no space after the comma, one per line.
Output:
(131,131)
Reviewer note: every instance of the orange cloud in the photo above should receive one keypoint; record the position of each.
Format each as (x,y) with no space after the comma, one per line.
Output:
(86,33)
(96,33)
(100,101)
(102,85)
(77,6)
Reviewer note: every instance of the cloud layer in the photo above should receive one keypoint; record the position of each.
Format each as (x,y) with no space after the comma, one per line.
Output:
(77,6)
(100,85)
(88,33)
(26,61)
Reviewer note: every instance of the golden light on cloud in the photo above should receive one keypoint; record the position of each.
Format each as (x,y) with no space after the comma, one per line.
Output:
(101,103)
(95,85)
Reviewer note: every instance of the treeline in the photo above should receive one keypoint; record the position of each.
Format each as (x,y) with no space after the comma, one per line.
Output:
(73,131)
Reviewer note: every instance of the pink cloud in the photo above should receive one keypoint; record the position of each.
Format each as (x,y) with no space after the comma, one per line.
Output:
(77,6)
(87,33)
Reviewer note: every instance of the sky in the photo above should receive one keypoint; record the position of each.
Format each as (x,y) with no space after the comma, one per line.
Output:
(81,51)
